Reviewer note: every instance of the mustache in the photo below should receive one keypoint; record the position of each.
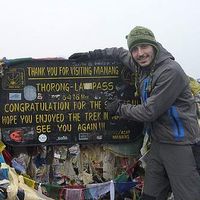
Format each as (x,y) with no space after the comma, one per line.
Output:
(141,57)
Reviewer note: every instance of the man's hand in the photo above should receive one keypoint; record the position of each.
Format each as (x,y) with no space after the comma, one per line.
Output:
(80,56)
(91,55)
(113,105)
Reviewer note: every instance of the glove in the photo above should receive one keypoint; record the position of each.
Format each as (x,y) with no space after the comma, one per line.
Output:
(80,56)
(91,55)
(113,105)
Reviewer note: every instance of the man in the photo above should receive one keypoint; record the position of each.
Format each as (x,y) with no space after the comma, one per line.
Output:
(168,111)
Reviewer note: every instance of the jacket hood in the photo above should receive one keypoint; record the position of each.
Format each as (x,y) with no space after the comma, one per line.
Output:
(163,54)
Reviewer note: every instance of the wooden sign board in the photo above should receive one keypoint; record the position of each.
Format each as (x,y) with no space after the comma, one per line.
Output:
(54,102)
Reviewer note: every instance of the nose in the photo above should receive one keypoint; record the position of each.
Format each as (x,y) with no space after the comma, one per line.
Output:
(140,51)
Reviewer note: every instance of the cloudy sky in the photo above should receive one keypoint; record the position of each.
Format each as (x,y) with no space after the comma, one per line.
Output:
(58,28)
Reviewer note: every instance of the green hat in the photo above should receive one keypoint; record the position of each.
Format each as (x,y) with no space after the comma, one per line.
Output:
(140,35)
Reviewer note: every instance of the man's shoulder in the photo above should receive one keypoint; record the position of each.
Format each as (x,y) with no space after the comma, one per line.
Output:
(172,65)
(170,68)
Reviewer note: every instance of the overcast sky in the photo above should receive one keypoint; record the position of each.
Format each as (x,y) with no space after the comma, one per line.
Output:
(58,28)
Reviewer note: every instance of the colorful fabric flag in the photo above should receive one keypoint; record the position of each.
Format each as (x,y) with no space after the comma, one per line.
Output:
(74,194)
(95,191)
(123,187)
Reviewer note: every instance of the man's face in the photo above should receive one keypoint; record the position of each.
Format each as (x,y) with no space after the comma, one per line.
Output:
(143,54)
